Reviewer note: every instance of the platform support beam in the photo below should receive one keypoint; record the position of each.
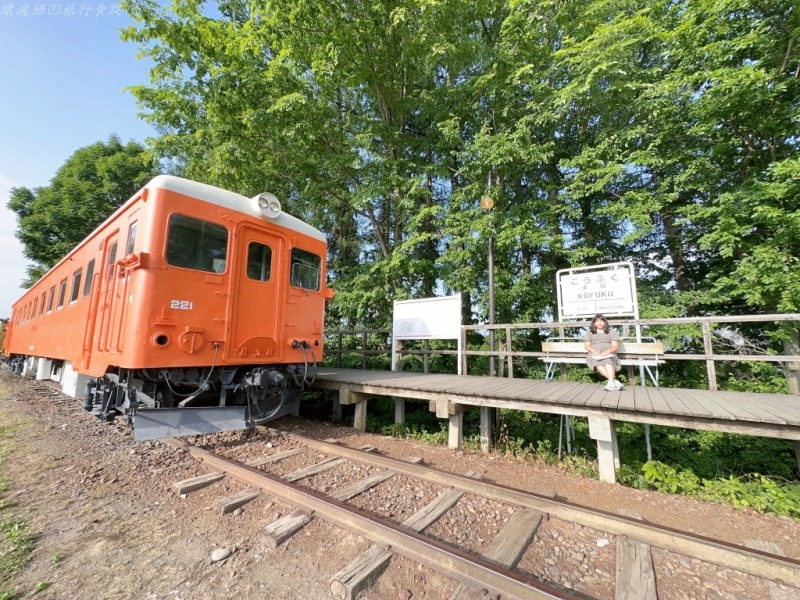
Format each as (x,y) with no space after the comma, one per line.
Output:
(604,432)
(399,409)
(486,428)
(336,415)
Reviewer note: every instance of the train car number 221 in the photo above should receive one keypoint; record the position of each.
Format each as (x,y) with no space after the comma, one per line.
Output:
(181,304)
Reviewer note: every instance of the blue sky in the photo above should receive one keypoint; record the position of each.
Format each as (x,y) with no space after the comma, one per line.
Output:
(61,88)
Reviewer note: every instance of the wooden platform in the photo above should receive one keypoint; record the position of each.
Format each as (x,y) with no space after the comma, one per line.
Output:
(767,415)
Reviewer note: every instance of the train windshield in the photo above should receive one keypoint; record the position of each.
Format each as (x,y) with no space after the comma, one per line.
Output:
(196,244)
(305,269)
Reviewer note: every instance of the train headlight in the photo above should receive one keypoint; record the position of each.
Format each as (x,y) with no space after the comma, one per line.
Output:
(268,205)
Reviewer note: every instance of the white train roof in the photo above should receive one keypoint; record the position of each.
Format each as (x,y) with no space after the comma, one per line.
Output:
(231,200)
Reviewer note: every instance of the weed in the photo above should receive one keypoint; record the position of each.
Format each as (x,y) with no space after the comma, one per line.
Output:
(16,544)
(56,558)
(40,587)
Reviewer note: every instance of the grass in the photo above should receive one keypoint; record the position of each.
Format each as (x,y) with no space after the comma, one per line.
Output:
(16,538)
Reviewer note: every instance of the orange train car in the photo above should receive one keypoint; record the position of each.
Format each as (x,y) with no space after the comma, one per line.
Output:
(191,309)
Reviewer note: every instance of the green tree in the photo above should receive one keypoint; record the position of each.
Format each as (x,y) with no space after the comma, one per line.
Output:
(86,189)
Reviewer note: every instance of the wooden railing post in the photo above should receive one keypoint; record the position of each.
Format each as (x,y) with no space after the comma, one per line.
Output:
(364,335)
(509,358)
(709,351)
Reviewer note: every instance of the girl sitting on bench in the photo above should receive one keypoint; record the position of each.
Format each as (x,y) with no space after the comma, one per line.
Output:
(602,344)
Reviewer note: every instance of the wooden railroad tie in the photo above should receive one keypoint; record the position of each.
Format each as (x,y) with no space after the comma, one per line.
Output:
(282,529)
(231,503)
(348,583)
(506,549)
(636,579)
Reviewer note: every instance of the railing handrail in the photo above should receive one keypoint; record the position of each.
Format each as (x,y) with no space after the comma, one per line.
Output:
(506,353)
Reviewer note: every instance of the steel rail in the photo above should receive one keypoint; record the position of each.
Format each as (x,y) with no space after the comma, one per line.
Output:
(469,569)
(755,562)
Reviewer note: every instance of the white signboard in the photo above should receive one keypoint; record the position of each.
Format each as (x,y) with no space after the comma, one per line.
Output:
(586,291)
(428,318)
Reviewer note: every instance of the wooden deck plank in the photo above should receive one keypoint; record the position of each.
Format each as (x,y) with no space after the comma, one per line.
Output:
(759,410)
(597,397)
(691,406)
(581,395)
(676,405)
(534,391)
(626,399)
(559,391)
(692,399)
(660,404)
(780,410)
(468,387)
(641,399)
(719,409)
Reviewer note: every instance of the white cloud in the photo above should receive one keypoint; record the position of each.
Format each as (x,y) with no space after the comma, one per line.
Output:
(12,262)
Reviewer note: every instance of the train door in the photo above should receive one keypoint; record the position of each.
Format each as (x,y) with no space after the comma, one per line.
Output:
(256,312)
(109,302)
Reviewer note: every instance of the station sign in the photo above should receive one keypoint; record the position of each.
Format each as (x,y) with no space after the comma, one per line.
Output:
(586,291)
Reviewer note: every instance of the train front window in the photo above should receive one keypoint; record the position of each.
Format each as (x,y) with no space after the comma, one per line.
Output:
(305,269)
(196,244)
(259,261)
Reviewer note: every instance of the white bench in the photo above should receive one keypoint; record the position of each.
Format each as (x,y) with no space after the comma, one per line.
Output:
(647,353)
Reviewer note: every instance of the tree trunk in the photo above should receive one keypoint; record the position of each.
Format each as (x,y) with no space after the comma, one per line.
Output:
(680,266)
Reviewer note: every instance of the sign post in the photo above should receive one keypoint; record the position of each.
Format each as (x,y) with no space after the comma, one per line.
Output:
(608,289)
(427,319)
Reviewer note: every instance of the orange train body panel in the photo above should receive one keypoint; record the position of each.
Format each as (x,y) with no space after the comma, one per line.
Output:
(138,294)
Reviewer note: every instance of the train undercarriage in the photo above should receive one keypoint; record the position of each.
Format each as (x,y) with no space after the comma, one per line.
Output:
(174,402)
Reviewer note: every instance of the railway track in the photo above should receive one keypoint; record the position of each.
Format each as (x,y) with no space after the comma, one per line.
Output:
(297,470)
(493,573)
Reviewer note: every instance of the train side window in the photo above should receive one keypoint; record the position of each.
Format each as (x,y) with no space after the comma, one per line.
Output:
(76,286)
(131,238)
(259,261)
(112,259)
(35,304)
(196,244)
(51,298)
(87,285)
(41,306)
(62,292)
(305,267)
